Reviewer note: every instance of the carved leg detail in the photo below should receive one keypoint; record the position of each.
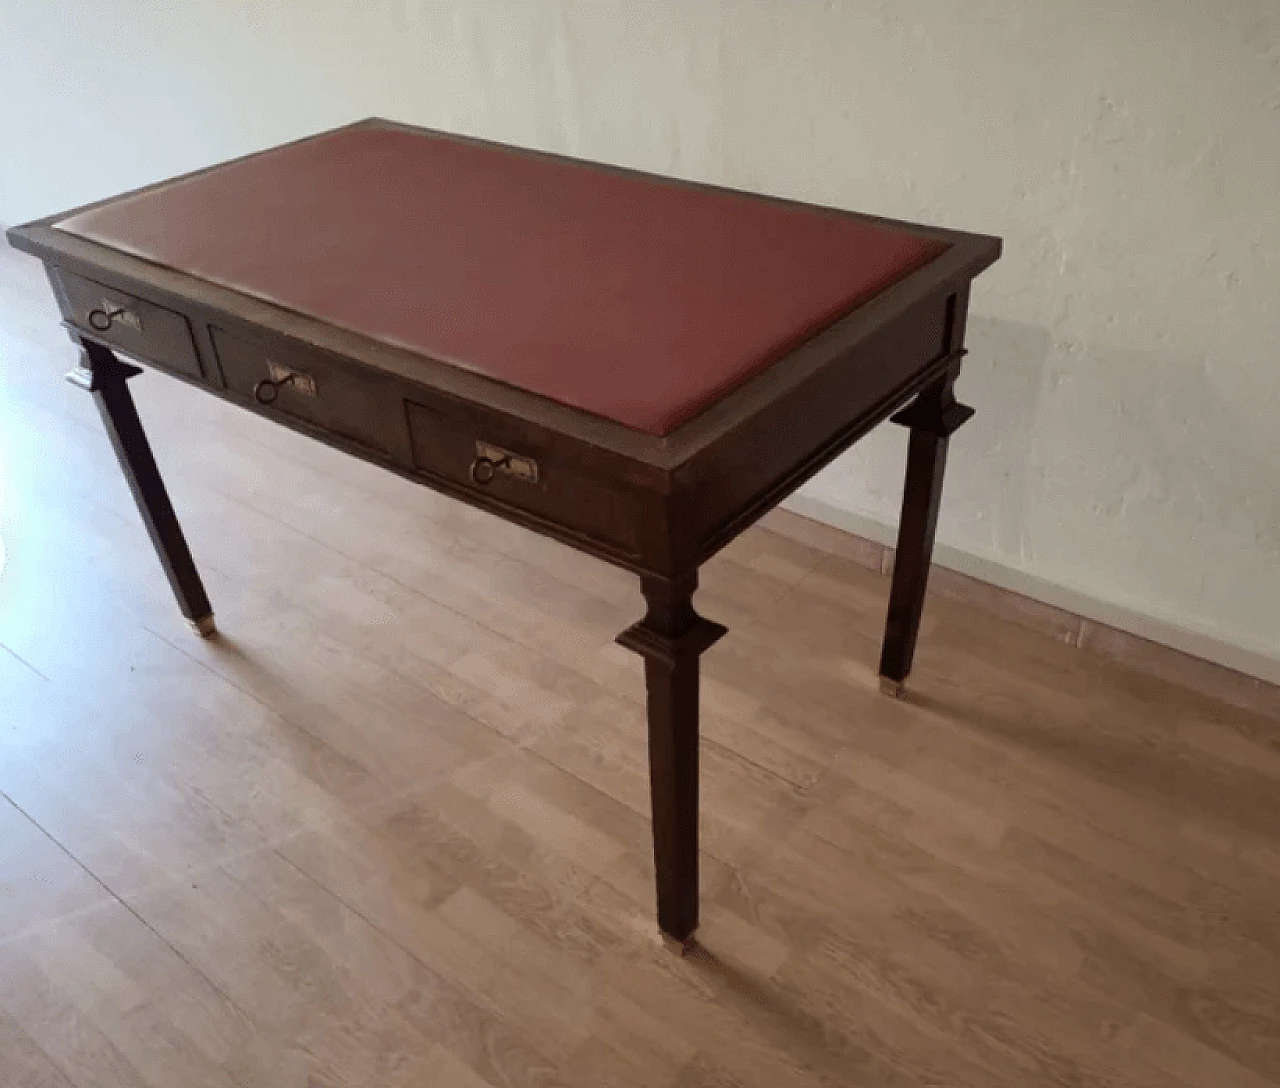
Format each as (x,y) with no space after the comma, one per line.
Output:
(105,377)
(933,417)
(671,638)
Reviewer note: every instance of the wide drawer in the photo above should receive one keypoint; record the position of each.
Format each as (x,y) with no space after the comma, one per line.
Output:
(137,327)
(341,399)
(515,469)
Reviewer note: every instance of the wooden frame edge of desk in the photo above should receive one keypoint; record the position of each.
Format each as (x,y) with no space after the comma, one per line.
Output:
(967,256)
(662,473)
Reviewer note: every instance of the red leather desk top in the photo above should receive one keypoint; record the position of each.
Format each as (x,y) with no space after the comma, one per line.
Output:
(635,298)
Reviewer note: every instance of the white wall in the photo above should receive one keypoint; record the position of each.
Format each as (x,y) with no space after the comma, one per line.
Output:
(1124,352)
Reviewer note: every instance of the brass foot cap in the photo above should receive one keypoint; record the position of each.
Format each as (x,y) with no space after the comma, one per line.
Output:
(680,948)
(892,688)
(204,627)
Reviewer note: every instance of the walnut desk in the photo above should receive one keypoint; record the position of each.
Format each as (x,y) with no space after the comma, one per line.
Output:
(636,366)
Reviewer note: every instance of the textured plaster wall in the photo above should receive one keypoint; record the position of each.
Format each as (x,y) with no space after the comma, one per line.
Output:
(1124,352)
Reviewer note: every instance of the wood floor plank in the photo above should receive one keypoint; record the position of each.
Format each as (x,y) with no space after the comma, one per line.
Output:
(22,1063)
(53,1019)
(39,881)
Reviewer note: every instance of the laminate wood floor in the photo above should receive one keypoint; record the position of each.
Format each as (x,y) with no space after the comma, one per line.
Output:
(390,828)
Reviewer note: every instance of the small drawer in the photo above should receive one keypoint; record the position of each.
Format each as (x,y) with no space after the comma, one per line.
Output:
(510,467)
(355,404)
(138,328)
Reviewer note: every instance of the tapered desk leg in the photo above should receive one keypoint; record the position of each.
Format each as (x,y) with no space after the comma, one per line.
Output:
(671,638)
(105,377)
(933,417)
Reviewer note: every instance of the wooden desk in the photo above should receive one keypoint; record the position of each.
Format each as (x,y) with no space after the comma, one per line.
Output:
(636,366)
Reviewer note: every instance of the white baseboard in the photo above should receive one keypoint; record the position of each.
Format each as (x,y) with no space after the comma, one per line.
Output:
(1237,654)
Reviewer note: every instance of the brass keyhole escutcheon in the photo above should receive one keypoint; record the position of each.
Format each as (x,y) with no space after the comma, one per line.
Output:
(494,460)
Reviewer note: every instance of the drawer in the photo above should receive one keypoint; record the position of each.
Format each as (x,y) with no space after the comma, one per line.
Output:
(138,328)
(351,402)
(509,466)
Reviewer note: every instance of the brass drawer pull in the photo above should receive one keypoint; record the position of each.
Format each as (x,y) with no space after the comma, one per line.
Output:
(109,313)
(484,469)
(266,391)
(492,460)
(102,319)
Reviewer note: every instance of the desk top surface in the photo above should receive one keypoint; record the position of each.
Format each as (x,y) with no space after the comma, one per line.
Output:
(632,297)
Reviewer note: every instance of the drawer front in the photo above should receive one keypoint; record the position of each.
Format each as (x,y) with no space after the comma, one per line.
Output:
(344,400)
(511,467)
(138,328)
